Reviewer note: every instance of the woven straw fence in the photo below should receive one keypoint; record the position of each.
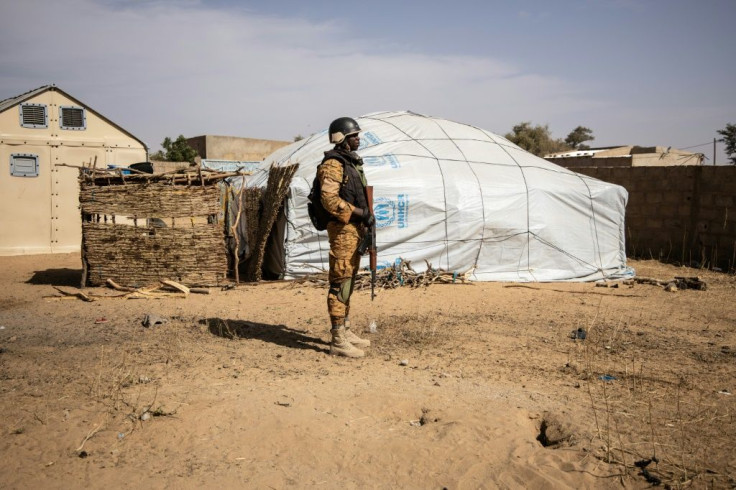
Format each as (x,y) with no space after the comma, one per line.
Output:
(120,241)
(279,179)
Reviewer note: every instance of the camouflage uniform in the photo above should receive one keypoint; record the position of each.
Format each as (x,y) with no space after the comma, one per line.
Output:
(344,236)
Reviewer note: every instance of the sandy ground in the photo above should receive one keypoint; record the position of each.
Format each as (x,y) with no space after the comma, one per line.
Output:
(465,386)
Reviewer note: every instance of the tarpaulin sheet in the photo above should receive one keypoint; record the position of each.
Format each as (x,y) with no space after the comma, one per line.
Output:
(464,199)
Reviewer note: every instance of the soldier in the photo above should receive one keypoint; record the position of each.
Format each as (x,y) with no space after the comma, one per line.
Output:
(343,195)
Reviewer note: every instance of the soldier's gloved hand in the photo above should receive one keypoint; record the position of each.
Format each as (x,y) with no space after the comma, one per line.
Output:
(368,218)
(357,214)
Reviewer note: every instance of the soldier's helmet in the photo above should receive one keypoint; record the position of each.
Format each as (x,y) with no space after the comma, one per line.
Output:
(341,128)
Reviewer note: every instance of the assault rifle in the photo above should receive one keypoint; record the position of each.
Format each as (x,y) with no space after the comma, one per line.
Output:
(369,242)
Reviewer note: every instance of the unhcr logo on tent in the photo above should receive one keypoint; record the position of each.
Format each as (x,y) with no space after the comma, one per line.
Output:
(369,138)
(387,211)
(403,210)
(382,161)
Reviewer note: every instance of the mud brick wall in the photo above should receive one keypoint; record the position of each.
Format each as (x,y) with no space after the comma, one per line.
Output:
(678,214)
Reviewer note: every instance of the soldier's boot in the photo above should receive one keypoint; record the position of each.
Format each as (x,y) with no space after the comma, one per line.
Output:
(353,338)
(341,347)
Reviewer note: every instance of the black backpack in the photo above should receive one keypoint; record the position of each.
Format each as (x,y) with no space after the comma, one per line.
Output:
(317,212)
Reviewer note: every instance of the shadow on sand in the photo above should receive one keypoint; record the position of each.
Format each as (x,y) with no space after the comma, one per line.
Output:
(275,334)
(57,277)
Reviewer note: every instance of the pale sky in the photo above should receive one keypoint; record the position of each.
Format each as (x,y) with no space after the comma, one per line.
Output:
(646,72)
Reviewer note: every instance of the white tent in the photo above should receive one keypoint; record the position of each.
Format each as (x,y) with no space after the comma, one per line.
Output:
(463,198)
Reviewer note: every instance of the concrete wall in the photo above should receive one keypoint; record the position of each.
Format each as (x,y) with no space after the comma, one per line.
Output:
(672,158)
(632,160)
(160,167)
(678,214)
(575,163)
(626,156)
(233,148)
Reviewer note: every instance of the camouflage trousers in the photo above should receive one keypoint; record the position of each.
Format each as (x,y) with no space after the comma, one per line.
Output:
(344,265)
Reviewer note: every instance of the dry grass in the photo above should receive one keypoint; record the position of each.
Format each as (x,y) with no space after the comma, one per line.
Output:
(658,425)
(662,425)
(400,333)
(127,377)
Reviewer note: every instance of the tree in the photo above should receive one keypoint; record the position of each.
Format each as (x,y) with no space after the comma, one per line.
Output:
(578,136)
(729,137)
(176,151)
(535,139)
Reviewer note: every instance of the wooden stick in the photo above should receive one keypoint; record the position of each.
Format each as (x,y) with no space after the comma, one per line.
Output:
(85,266)
(153,295)
(89,435)
(118,287)
(650,280)
(234,232)
(79,294)
(176,285)
(573,292)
